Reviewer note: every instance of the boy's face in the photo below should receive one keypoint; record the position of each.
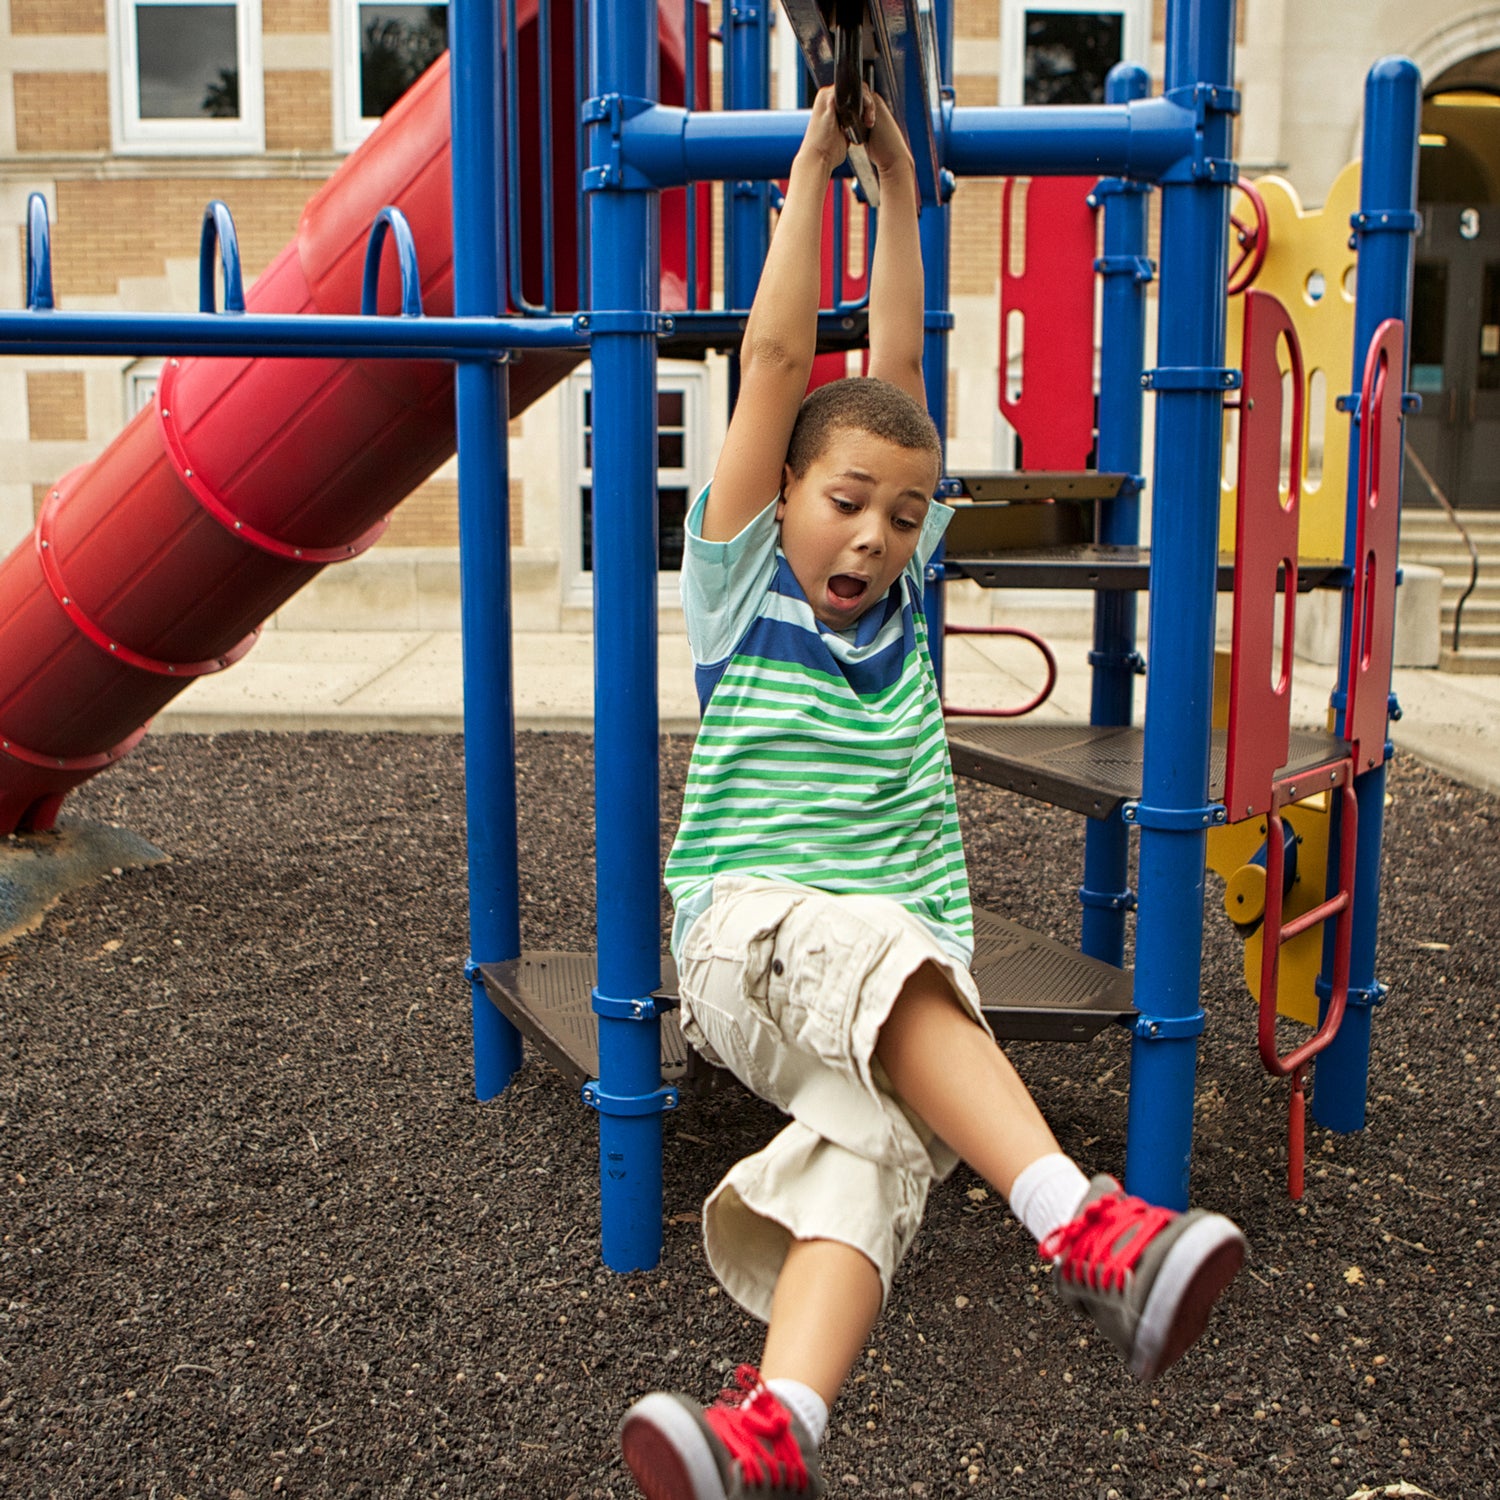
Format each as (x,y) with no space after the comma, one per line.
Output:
(850,524)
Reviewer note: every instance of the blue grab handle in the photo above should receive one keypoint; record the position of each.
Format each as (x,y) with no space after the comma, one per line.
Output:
(38,255)
(219,234)
(394,220)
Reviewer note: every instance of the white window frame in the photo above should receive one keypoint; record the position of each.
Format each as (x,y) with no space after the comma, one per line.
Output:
(690,377)
(1135,37)
(350,128)
(141,379)
(187,137)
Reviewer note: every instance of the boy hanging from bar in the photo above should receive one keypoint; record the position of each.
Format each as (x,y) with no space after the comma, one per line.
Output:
(823,929)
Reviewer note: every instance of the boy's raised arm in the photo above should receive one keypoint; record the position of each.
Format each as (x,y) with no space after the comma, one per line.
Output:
(780,339)
(896,287)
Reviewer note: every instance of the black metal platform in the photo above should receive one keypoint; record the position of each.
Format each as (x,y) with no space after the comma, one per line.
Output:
(1041,485)
(695,334)
(1031,987)
(1094,565)
(1089,768)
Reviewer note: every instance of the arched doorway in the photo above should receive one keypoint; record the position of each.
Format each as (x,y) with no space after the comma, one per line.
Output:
(1455,330)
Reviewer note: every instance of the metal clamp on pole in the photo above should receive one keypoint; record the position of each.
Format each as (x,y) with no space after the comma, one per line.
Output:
(1360,996)
(1137,267)
(661,324)
(629,1105)
(1131,661)
(1204,99)
(642,1008)
(1169,1028)
(1172,819)
(1117,187)
(1191,378)
(604,120)
(1387,221)
(1106,900)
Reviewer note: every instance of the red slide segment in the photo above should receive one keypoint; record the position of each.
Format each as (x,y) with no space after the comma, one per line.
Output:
(159,561)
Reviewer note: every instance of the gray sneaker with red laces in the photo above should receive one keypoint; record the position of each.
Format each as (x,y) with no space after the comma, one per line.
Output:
(747,1445)
(1147,1276)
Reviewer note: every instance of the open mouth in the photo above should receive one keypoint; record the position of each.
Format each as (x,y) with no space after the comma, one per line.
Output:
(846,590)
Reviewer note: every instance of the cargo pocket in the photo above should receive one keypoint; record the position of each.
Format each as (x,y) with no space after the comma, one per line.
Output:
(818,973)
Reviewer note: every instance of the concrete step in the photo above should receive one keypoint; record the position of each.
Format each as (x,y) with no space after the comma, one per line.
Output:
(1472,637)
(1431,518)
(1474,662)
(1453,559)
(1479,602)
(1477,607)
(1486,586)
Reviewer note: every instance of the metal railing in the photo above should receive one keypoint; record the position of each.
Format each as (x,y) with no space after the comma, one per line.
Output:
(1463,531)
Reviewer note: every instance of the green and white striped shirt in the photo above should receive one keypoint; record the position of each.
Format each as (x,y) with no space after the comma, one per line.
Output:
(822,757)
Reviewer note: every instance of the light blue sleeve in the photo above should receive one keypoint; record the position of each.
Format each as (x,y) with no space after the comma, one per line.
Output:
(724,583)
(938,516)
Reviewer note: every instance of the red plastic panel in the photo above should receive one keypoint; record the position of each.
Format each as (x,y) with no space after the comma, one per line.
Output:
(1260,709)
(1054,295)
(1376,533)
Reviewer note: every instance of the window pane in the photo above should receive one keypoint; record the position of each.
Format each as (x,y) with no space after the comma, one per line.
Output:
(669,408)
(1069,54)
(189,64)
(669,446)
(672,507)
(397,44)
(1429,325)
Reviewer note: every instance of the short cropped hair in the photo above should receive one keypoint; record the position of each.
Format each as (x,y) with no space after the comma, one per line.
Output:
(864,405)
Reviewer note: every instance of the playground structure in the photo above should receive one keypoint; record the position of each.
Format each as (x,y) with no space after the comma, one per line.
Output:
(1172,779)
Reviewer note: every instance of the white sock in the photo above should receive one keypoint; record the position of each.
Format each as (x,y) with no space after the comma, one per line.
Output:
(810,1407)
(1047,1194)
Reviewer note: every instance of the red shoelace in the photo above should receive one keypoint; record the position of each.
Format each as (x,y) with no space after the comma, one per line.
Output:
(1102,1245)
(756,1429)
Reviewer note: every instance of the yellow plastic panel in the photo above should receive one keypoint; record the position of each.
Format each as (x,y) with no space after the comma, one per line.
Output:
(1308,250)
(1229,851)
(1230,847)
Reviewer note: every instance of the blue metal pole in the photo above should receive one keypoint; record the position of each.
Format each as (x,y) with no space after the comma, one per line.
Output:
(747,198)
(1105,893)
(624,292)
(935,228)
(1174,810)
(1385,230)
(484,537)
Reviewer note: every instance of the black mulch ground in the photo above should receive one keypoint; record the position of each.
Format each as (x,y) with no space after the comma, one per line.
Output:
(257,1237)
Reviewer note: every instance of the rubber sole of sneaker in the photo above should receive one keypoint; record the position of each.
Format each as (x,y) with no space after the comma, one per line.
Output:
(667,1452)
(1206,1258)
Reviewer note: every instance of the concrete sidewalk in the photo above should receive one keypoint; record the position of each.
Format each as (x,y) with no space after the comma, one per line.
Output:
(413,681)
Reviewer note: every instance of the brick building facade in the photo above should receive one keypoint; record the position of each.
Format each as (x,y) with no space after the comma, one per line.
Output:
(81,122)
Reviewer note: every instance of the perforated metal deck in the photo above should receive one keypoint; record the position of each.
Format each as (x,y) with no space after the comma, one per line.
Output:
(1031,987)
(1092,769)
(1095,565)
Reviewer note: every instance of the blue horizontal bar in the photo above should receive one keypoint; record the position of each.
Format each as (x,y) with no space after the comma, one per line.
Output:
(283,336)
(1140,139)
(670,146)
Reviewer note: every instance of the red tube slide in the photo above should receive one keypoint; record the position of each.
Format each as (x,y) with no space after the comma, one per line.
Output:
(158,562)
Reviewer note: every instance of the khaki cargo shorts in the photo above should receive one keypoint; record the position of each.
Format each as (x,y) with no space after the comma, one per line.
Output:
(788,987)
